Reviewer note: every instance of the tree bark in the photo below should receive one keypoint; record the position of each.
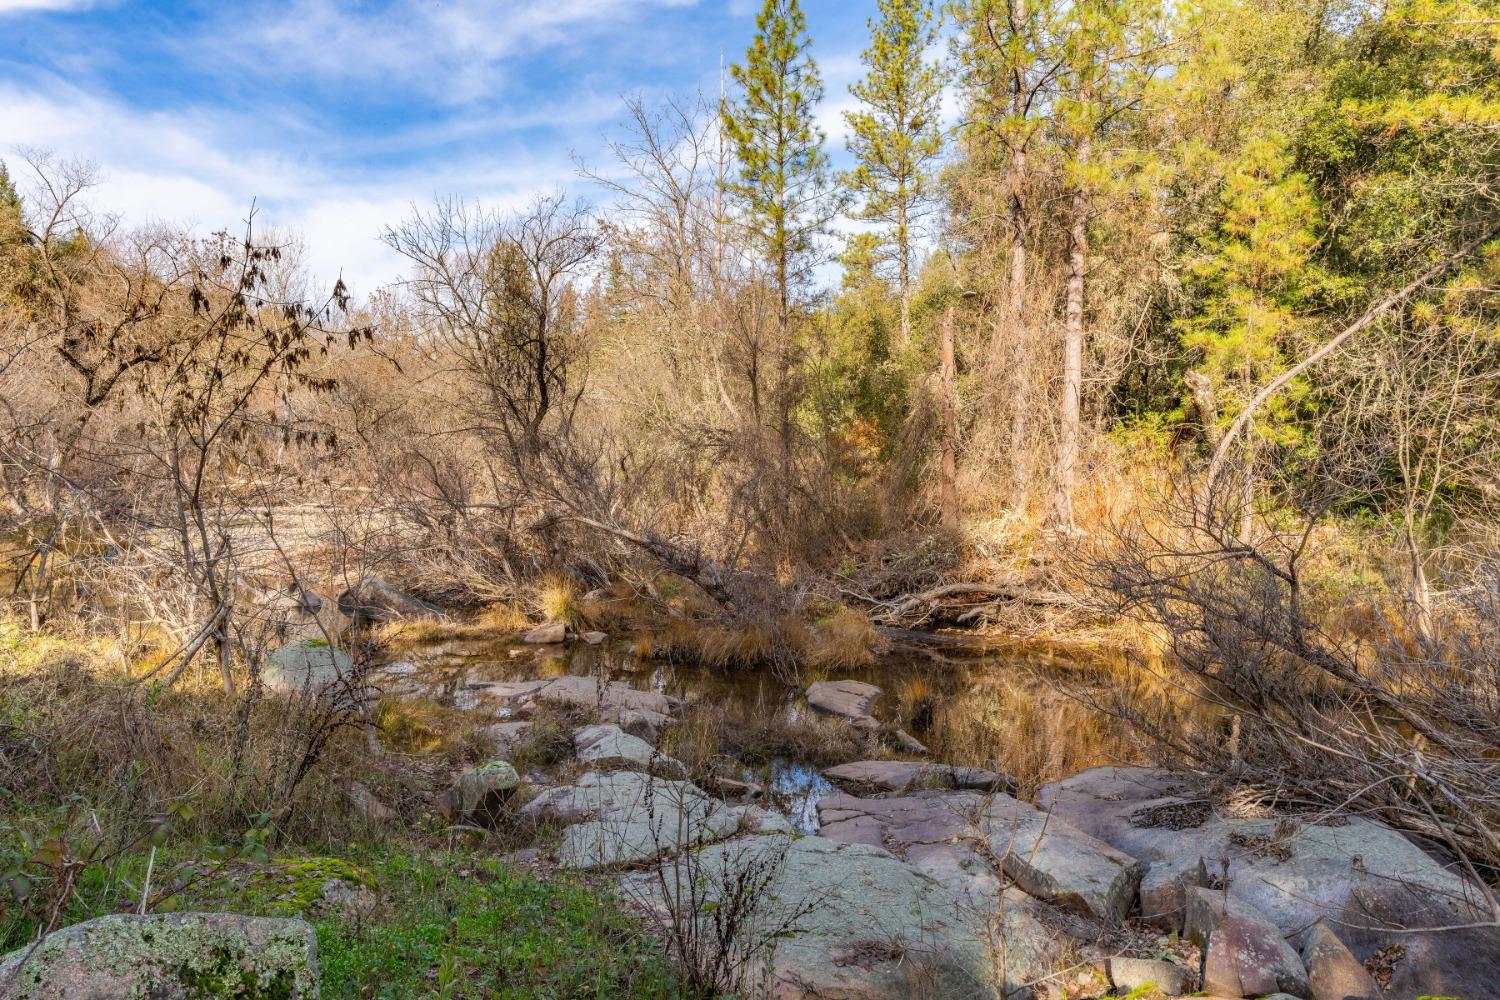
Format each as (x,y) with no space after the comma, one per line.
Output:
(1071,430)
(949,387)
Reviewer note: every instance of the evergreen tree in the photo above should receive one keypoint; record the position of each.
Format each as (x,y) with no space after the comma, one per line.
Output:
(1255,279)
(783,181)
(895,134)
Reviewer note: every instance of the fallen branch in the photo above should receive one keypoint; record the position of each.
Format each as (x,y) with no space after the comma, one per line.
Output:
(928,601)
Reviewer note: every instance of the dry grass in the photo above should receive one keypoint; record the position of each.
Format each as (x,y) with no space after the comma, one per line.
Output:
(843,639)
(557,599)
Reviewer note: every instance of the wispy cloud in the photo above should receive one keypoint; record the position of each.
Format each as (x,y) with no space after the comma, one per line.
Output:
(37,6)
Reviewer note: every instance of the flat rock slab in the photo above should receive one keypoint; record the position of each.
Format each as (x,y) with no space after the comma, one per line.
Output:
(626,817)
(1244,952)
(308,665)
(608,746)
(902,775)
(610,698)
(168,956)
(1356,874)
(853,922)
(852,700)
(960,837)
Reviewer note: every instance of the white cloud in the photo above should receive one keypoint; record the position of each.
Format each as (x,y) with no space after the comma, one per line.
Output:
(453,51)
(34,6)
(205,171)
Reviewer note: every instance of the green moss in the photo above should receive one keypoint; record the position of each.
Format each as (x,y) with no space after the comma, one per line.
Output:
(293,886)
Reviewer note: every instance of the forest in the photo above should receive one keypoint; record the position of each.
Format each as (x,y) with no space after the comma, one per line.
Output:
(1103,472)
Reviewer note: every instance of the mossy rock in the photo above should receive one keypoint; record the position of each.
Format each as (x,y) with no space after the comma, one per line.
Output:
(316,888)
(168,956)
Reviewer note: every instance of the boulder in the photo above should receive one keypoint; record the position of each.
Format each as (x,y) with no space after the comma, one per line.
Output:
(850,921)
(608,747)
(909,743)
(642,724)
(167,956)
(901,775)
(593,638)
(309,665)
(959,837)
(368,805)
(1139,973)
(1244,952)
(850,700)
(506,735)
(626,817)
(549,634)
(480,795)
(374,600)
(1332,970)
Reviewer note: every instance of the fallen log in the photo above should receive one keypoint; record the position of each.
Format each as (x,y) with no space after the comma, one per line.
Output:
(928,601)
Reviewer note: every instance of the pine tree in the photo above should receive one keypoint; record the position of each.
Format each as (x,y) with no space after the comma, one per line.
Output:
(895,134)
(1255,280)
(783,182)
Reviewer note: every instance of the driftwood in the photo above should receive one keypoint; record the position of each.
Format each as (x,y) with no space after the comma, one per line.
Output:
(925,604)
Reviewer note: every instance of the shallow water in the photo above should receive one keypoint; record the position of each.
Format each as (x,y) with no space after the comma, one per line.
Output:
(929,691)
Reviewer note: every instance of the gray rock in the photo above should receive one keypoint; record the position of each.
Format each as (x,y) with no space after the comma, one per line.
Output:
(850,921)
(1244,952)
(906,741)
(852,700)
(953,836)
(368,805)
(506,735)
(168,956)
(593,638)
(309,665)
(627,817)
(606,696)
(642,724)
(1137,973)
(543,635)
(901,775)
(754,819)
(607,746)
(480,795)
(374,600)
(1332,970)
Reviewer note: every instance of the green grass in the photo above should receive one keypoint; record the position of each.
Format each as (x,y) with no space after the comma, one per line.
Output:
(449,925)
(462,925)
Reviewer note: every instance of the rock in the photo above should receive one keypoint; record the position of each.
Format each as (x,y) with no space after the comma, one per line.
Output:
(593,638)
(850,921)
(641,724)
(626,817)
(548,634)
(365,802)
(850,700)
(1138,973)
(168,956)
(901,775)
(733,788)
(1244,952)
(1294,872)
(906,741)
(754,819)
(374,600)
(1332,970)
(953,836)
(610,698)
(609,747)
(309,665)
(480,795)
(506,735)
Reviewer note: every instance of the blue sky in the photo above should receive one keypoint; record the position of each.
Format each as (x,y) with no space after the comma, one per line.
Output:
(337,116)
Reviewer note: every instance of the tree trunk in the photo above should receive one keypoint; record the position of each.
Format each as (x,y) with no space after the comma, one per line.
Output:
(949,382)
(1071,429)
(903,276)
